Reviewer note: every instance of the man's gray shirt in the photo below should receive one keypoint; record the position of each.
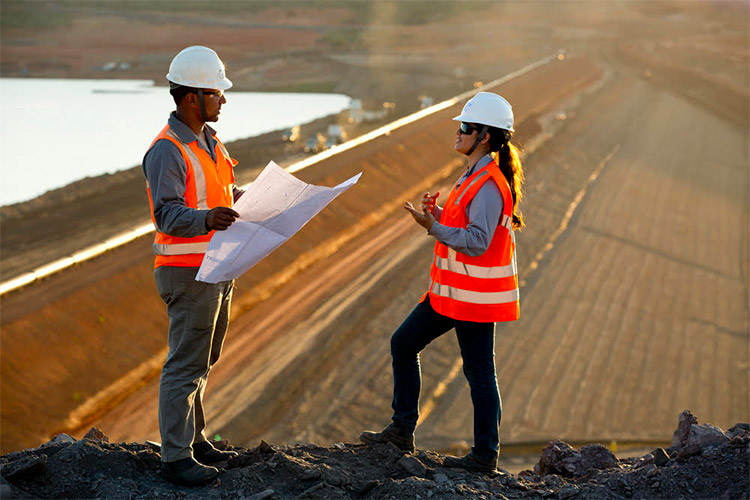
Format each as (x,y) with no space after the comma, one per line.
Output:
(166,172)
(484,211)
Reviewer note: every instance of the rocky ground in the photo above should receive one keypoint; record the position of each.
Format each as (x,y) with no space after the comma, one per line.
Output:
(703,462)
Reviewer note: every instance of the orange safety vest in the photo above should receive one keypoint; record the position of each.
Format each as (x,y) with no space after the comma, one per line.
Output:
(484,288)
(208,185)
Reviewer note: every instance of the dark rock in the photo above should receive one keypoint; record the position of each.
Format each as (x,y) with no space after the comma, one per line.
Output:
(686,420)
(568,491)
(706,435)
(369,485)
(412,465)
(310,475)
(261,495)
(60,439)
(661,457)
(598,457)
(441,478)
(309,491)
(739,430)
(562,459)
(265,448)
(25,468)
(96,435)
(688,451)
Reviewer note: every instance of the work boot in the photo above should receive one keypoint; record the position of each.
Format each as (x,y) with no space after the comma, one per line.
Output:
(471,462)
(391,434)
(205,453)
(188,472)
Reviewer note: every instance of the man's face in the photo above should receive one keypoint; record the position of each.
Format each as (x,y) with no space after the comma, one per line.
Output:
(214,100)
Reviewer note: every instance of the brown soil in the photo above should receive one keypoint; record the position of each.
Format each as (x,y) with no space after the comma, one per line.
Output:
(620,295)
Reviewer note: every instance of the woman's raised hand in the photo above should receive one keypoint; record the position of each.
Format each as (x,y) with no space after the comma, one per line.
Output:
(429,201)
(423,218)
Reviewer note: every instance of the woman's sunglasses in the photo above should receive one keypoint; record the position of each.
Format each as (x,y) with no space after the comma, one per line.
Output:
(467,129)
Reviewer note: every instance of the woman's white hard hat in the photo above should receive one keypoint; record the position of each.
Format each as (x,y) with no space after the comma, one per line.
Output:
(198,67)
(489,109)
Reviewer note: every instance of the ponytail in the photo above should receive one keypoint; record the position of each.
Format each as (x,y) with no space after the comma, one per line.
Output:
(507,157)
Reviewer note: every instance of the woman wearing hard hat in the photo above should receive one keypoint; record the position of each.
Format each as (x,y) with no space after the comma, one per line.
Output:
(473,279)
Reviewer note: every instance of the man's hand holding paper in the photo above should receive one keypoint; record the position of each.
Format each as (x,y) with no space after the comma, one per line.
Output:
(272,210)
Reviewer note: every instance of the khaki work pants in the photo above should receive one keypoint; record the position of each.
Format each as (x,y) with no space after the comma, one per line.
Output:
(198,319)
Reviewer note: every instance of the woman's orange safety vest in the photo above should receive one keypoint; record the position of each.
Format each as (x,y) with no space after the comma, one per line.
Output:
(484,288)
(208,185)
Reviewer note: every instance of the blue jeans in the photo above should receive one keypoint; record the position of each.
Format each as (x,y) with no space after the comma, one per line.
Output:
(477,343)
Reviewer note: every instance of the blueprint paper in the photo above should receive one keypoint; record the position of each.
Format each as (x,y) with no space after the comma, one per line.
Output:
(274,207)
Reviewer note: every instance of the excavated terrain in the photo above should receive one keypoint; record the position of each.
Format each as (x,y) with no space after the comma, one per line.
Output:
(703,462)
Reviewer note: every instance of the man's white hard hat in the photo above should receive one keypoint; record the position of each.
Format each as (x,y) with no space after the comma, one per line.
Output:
(198,67)
(487,108)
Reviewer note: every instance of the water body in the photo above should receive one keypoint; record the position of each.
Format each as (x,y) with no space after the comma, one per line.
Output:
(56,131)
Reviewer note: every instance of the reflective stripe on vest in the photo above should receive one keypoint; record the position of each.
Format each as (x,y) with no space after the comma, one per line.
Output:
(198,174)
(475,297)
(472,271)
(483,288)
(180,248)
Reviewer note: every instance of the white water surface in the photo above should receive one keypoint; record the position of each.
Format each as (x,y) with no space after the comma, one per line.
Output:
(56,131)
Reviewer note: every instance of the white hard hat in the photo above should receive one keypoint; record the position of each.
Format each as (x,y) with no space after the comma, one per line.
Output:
(487,108)
(198,67)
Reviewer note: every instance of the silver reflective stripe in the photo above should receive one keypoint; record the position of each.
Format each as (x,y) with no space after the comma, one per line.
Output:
(458,200)
(180,248)
(475,271)
(507,223)
(475,297)
(223,149)
(200,178)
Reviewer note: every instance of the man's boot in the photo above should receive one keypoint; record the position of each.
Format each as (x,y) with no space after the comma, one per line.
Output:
(205,453)
(472,462)
(188,472)
(391,434)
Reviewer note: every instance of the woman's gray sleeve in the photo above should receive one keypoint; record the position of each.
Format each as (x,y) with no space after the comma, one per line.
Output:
(484,213)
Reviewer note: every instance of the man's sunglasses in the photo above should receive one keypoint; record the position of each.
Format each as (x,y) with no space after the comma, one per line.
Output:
(217,93)
(467,129)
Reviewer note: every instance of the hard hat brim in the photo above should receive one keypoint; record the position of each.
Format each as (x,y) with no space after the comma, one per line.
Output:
(224,84)
(460,118)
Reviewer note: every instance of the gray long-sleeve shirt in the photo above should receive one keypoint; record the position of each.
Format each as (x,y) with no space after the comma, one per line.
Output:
(484,211)
(166,172)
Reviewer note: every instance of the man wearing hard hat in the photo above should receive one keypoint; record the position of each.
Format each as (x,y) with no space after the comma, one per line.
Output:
(190,183)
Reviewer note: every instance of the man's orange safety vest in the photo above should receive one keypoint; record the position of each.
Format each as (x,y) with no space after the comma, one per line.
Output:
(484,288)
(208,185)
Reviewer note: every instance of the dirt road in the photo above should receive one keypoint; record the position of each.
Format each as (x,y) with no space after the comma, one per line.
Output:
(634,268)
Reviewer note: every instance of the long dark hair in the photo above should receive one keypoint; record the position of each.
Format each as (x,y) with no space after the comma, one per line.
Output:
(508,159)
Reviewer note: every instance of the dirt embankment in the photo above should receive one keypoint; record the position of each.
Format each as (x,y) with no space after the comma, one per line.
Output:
(71,325)
(635,283)
(703,462)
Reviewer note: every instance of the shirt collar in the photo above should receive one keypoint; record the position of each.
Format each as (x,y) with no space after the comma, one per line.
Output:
(184,132)
(483,162)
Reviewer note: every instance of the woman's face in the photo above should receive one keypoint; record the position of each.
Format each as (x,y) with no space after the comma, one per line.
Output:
(466,134)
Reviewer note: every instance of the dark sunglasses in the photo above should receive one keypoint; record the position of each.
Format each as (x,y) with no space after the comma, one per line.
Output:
(467,129)
(217,93)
